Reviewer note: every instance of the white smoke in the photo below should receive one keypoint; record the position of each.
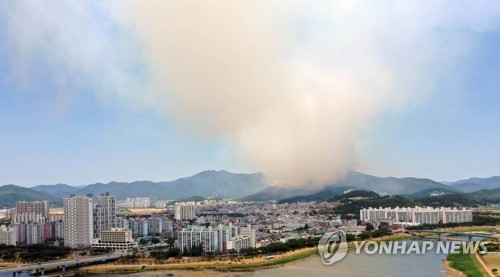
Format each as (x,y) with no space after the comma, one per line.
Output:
(290,83)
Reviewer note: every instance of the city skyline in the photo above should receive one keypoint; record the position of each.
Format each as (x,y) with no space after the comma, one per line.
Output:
(99,92)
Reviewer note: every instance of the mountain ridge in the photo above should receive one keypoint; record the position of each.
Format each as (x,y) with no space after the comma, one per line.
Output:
(10,194)
(212,184)
(208,183)
(353,180)
(476,184)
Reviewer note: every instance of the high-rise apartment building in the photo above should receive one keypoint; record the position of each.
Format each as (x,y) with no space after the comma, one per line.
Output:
(138,202)
(104,213)
(226,233)
(420,215)
(78,221)
(247,231)
(238,243)
(39,207)
(36,211)
(139,227)
(185,211)
(155,226)
(8,235)
(208,238)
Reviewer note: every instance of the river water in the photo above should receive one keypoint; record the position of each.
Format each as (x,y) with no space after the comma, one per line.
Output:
(424,265)
(354,264)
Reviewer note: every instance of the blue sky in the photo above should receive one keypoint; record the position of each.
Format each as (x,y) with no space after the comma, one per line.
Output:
(76,104)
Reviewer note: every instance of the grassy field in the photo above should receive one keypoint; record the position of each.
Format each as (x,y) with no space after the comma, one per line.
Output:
(493,262)
(398,237)
(466,229)
(467,264)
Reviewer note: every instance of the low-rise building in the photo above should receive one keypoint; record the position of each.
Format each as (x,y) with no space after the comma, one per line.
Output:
(116,239)
(238,243)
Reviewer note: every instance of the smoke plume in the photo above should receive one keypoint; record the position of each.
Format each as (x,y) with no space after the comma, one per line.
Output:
(291,84)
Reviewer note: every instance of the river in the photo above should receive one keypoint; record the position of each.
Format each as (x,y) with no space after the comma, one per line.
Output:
(429,264)
(354,264)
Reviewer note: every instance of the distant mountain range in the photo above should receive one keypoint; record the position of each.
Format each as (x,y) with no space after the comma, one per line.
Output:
(10,194)
(208,184)
(254,187)
(487,195)
(389,185)
(476,184)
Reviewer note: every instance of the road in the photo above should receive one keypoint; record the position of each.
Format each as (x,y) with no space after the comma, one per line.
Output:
(485,266)
(58,263)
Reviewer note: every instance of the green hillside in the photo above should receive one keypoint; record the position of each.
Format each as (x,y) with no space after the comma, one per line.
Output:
(458,200)
(487,195)
(322,195)
(10,194)
(350,207)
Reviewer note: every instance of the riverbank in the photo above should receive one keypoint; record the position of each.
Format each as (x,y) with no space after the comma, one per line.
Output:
(450,271)
(236,265)
(467,264)
(243,264)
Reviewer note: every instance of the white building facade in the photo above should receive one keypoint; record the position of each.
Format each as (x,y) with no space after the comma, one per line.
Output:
(78,221)
(419,215)
(8,235)
(185,211)
(208,238)
(116,239)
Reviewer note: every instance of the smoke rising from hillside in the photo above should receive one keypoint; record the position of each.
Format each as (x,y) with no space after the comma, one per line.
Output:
(291,84)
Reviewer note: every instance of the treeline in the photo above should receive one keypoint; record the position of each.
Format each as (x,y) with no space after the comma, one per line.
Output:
(372,234)
(493,247)
(448,200)
(33,253)
(281,247)
(487,195)
(350,208)
(356,193)
(165,254)
(100,251)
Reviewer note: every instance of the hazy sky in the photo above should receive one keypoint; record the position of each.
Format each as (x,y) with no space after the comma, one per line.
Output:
(304,91)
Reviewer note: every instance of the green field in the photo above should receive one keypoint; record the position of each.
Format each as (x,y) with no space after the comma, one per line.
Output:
(467,264)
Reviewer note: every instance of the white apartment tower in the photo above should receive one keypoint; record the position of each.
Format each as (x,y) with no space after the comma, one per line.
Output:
(208,238)
(104,214)
(420,215)
(78,221)
(185,211)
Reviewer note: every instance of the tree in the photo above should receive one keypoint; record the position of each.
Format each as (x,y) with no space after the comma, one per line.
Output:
(170,241)
(369,227)
(155,240)
(350,237)
(364,235)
